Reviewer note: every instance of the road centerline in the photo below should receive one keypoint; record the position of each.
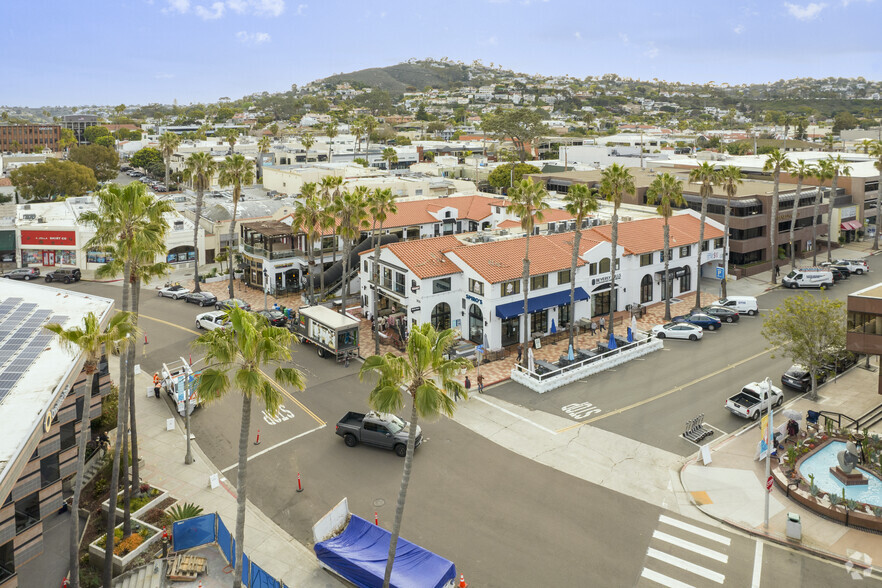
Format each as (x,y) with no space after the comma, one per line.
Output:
(271,447)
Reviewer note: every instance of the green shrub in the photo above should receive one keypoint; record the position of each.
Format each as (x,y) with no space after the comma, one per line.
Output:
(179,512)
(109,409)
(100,487)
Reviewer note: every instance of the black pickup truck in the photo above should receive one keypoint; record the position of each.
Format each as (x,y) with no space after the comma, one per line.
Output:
(382,430)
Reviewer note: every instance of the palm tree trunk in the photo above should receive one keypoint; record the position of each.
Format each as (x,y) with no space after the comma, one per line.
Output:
(666,276)
(121,414)
(200,194)
(526,336)
(402,495)
(375,293)
(773,228)
(346,252)
(576,240)
(793,222)
(725,290)
(127,515)
(829,228)
(136,475)
(230,250)
(241,488)
(612,270)
(85,431)
(166,173)
(878,201)
(322,253)
(815,226)
(698,254)
(310,260)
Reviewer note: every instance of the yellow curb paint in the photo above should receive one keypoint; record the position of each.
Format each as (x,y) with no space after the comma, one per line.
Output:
(701,498)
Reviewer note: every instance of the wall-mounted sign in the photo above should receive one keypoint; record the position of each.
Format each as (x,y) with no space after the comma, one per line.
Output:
(474,299)
(50,238)
(604,279)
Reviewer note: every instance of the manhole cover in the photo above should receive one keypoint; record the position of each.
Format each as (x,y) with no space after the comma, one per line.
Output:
(379,502)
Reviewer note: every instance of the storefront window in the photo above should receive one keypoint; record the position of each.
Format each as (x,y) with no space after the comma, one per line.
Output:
(539,322)
(686,279)
(441,316)
(563,315)
(646,289)
(476,324)
(98,257)
(32,256)
(511,331)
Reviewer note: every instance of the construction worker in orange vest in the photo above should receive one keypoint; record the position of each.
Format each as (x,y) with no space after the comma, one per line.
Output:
(156,384)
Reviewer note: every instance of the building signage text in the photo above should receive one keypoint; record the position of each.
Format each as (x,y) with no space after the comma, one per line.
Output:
(604,279)
(474,299)
(51,238)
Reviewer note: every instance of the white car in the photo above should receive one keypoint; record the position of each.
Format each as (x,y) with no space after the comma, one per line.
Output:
(174,292)
(678,331)
(211,320)
(855,266)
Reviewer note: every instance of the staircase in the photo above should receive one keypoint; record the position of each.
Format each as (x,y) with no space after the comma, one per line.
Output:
(151,575)
(91,468)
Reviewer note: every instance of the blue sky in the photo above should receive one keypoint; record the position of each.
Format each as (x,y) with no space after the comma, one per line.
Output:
(62,52)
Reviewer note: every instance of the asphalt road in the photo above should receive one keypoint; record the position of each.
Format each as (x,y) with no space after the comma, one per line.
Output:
(504,520)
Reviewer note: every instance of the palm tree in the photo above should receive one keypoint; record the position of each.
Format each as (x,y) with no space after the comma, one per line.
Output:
(307,140)
(236,357)
(775,162)
(706,175)
(351,210)
(527,203)
(426,376)
(829,142)
(356,129)
(369,124)
(866,145)
(824,172)
(199,169)
(307,218)
(580,201)
(730,179)
(667,190)
(91,341)
(235,171)
(801,170)
(381,204)
(839,167)
(263,146)
(390,156)
(876,152)
(331,132)
(168,143)
(129,222)
(232,135)
(616,181)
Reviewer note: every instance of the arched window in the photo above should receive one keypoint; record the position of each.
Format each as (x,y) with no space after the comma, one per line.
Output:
(604,265)
(441,316)
(476,324)
(646,289)
(685,280)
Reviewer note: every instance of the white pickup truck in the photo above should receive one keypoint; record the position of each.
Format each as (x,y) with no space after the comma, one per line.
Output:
(751,401)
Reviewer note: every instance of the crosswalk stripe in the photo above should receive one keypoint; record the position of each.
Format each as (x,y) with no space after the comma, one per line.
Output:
(664,580)
(720,557)
(686,565)
(696,530)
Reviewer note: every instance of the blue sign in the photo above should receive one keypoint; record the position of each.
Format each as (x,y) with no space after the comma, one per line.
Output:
(721,272)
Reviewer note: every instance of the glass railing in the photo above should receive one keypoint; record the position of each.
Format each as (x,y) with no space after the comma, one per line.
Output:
(6,572)
(23,522)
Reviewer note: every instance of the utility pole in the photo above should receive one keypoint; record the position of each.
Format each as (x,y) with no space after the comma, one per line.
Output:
(190,383)
(770,440)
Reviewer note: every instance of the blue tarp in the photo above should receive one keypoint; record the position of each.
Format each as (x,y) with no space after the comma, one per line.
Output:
(360,552)
(246,572)
(193,532)
(537,303)
(225,541)
(260,579)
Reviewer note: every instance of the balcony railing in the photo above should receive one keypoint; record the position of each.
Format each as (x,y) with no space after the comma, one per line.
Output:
(266,254)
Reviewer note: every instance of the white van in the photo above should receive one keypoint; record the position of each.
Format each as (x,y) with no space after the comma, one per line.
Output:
(809,277)
(741,304)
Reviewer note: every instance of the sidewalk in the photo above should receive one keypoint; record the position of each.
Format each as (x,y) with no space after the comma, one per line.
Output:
(731,488)
(163,454)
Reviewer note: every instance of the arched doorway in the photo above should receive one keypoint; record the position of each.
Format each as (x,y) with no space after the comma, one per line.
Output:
(441,316)
(476,324)
(646,289)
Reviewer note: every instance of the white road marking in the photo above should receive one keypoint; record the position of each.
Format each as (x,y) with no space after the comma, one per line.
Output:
(664,580)
(720,557)
(757,565)
(277,445)
(695,530)
(517,416)
(686,565)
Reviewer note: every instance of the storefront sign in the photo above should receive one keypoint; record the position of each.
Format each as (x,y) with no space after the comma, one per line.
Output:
(51,238)
(848,212)
(474,299)
(415,309)
(604,279)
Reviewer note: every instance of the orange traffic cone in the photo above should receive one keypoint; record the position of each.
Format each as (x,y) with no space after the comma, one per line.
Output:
(462,582)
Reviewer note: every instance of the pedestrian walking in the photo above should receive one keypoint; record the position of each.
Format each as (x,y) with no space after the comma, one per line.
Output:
(468,384)
(480,384)
(456,394)
(777,271)
(520,353)
(602,324)
(593,327)
(156,384)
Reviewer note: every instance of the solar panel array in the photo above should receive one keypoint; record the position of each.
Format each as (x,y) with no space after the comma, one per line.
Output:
(22,339)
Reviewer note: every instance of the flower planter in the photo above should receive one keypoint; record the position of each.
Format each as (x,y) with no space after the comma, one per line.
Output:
(163,494)
(96,552)
(216,279)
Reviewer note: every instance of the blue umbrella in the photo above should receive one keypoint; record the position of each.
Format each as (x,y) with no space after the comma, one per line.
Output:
(612,342)
(553,327)
(630,336)
(570,356)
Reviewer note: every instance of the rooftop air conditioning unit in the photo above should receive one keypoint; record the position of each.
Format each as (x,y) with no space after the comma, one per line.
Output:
(41,220)
(27,206)
(28,216)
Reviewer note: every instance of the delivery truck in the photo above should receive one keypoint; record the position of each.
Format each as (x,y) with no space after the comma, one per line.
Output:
(332,333)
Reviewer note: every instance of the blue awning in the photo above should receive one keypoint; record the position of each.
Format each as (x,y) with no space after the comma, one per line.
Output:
(537,303)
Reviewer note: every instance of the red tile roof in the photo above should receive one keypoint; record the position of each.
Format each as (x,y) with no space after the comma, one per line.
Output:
(646,235)
(424,257)
(503,260)
(5,182)
(416,212)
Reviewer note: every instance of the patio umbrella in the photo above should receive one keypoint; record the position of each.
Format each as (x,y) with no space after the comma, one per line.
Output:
(530,365)
(553,327)
(634,323)
(570,356)
(486,342)
(791,414)
(630,335)
(612,342)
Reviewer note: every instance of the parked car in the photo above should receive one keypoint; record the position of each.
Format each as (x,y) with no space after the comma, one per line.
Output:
(211,320)
(379,429)
(841,361)
(200,298)
(721,312)
(678,331)
(856,266)
(23,273)
(174,292)
(754,399)
(63,274)
(275,317)
(230,302)
(705,321)
(799,378)
(742,304)
(160,188)
(144,179)
(839,272)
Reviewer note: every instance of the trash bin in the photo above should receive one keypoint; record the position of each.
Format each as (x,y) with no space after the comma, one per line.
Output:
(794,526)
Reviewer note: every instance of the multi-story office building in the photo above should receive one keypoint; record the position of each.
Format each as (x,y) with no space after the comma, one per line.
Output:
(29,138)
(78,124)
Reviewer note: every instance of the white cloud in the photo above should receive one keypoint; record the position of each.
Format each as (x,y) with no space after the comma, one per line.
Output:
(238,6)
(578,35)
(179,6)
(847,2)
(247,38)
(624,38)
(651,53)
(738,29)
(301,8)
(807,12)
(215,12)
(268,7)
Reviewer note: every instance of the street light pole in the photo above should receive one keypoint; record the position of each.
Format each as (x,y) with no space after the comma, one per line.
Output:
(770,439)
(265,288)
(191,381)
